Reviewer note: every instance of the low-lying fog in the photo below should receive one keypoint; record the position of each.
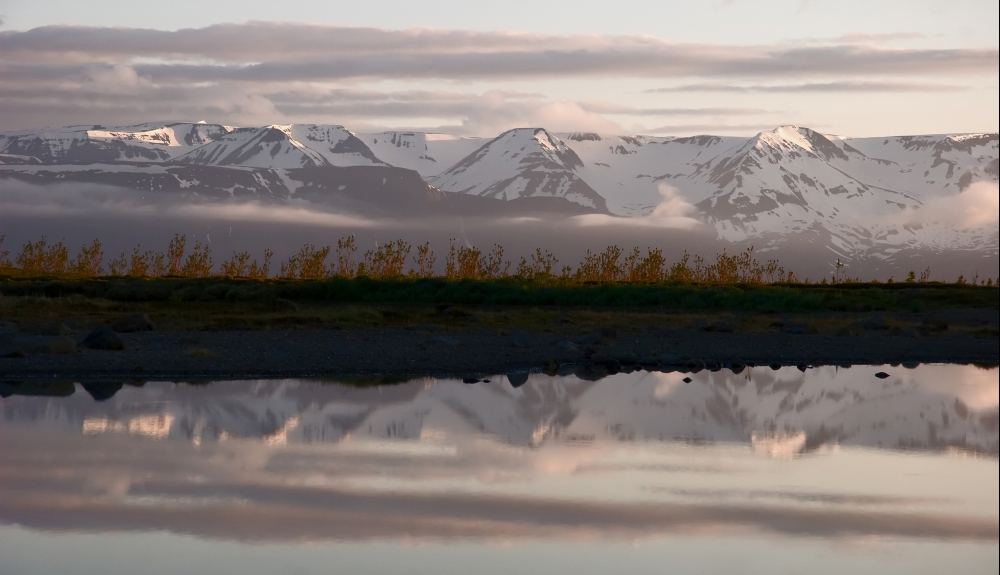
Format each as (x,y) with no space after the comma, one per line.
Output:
(76,214)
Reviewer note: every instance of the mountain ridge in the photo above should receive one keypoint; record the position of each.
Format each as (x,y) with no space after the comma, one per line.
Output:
(862,195)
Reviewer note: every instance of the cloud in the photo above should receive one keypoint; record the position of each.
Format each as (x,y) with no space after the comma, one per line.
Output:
(710,128)
(20,199)
(673,211)
(845,86)
(282,52)
(639,61)
(410,103)
(617,109)
(117,96)
(560,116)
(117,78)
(259,72)
(863,38)
(976,206)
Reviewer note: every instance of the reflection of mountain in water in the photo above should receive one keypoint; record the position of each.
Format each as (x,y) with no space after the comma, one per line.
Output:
(779,412)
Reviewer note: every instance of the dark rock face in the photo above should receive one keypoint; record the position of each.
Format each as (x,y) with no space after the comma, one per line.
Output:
(103,337)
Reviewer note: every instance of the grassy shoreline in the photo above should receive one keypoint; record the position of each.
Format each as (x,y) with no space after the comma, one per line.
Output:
(515,292)
(228,328)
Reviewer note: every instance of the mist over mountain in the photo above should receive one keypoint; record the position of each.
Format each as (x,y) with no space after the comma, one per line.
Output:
(889,200)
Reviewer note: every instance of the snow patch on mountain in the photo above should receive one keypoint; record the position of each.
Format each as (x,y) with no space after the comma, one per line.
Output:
(524,162)
(427,153)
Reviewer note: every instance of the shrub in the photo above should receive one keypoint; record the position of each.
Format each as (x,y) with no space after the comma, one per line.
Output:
(390,260)
(175,254)
(88,260)
(198,264)
(308,263)
(385,261)
(424,261)
(42,258)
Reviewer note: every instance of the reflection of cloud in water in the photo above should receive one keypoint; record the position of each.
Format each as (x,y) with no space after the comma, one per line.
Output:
(217,495)
(632,456)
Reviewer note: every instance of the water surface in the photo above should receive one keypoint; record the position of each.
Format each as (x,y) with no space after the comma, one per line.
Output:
(829,470)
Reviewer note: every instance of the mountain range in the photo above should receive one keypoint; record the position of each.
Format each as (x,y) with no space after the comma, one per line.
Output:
(854,196)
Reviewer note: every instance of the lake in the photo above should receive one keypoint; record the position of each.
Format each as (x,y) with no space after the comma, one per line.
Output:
(859,469)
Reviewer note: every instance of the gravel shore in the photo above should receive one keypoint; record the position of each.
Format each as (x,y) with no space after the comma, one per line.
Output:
(399,352)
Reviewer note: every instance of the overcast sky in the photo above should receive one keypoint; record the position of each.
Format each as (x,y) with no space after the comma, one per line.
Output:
(717,66)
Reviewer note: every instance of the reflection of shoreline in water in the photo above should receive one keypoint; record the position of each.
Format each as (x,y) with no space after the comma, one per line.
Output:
(781,413)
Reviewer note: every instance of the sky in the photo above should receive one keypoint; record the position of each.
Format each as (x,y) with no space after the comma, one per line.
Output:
(728,67)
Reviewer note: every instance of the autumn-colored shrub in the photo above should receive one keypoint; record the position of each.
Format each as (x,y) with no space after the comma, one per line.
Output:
(385,261)
(424,261)
(538,265)
(400,259)
(308,263)
(198,263)
(89,260)
(42,258)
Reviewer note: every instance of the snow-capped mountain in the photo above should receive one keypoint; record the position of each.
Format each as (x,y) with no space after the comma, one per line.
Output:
(325,164)
(284,147)
(90,144)
(872,199)
(627,170)
(429,154)
(855,196)
(521,163)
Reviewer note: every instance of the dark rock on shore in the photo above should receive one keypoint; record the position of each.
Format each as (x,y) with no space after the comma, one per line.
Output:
(461,352)
(103,337)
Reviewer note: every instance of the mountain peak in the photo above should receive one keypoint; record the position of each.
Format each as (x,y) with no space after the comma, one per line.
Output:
(801,140)
(519,163)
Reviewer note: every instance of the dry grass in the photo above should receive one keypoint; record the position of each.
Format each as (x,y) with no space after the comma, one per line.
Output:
(399,259)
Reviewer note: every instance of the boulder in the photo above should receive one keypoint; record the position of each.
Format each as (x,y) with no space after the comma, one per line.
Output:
(103,337)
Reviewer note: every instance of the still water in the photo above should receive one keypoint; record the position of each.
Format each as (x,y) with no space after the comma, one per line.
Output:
(830,470)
